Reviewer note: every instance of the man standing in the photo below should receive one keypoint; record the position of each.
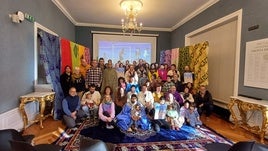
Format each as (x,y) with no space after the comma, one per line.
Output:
(84,66)
(94,75)
(71,108)
(109,78)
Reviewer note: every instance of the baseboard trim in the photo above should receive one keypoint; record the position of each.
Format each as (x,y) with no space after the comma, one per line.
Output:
(12,119)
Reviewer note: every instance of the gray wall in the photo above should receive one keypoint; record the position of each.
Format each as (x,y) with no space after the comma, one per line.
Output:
(17,40)
(254,12)
(17,46)
(85,37)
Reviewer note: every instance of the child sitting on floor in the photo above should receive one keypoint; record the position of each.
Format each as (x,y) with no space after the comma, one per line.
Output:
(173,118)
(135,115)
(89,101)
(193,117)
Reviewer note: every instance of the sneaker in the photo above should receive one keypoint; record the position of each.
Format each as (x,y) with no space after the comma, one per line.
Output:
(129,130)
(109,126)
(65,135)
(74,128)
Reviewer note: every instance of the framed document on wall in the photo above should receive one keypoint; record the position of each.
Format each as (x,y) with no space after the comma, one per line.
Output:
(256,64)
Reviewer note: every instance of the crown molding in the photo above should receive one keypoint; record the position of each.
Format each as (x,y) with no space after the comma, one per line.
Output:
(120,27)
(189,17)
(126,34)
(64,11)
(195,13)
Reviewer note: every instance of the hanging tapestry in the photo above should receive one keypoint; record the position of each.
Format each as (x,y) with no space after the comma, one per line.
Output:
(81,52)
(50,57)
(199,63)
(175,56)
(75,55)
(167,59)
(184,58)
(87,55)
(66,57)
(162,57)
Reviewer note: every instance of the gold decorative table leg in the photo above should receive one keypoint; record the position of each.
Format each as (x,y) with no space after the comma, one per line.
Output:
(42,109)
(23,114)
(264,124)
(230,106)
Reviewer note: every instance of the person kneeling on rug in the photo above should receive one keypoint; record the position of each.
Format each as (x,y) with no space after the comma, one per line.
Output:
(107,112)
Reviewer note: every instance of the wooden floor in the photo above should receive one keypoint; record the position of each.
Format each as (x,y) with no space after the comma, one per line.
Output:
(216,123)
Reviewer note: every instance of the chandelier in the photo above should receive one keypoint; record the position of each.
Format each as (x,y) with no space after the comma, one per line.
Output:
(131,9)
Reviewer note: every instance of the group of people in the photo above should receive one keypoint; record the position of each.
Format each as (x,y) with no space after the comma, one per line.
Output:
(133,97)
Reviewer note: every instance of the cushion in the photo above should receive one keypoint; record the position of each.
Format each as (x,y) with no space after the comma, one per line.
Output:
(21,146)
(7,135)
(24,146)
(47,147)
(217,147)
(248,146)
(89,144)
(239,146)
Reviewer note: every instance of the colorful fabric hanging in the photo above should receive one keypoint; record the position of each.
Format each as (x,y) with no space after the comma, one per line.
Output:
(87,55)
(184,59)
(175,56)
(162,57)
(75,55)
(50,57)
(199,63)
(167,59)
(66,57)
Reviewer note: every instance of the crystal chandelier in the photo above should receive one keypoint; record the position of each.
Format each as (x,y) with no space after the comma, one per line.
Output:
(131,9)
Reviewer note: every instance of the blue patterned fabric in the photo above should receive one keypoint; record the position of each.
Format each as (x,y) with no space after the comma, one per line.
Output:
(50,58)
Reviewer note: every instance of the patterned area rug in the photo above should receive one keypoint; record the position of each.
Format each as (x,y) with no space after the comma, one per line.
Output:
(202,136)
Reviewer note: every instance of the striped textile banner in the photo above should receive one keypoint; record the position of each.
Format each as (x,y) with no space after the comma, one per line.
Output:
(184,58)
(175,56)
(66,57)
(87,55)
(199,65)
(167,57)
(75,55)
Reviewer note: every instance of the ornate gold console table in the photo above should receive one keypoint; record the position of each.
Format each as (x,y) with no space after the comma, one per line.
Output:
(244,105)
(43,98)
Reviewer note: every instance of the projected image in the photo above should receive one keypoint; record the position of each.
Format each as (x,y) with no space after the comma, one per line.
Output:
(125,51)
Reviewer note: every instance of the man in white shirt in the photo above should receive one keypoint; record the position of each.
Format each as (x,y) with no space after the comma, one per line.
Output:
(91,104)
(145,96)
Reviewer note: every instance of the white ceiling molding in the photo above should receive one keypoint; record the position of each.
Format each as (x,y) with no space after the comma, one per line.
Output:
(65,12)
(184,20)
(195,13)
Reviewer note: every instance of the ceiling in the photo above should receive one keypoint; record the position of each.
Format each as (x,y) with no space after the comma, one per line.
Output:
(157,15)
